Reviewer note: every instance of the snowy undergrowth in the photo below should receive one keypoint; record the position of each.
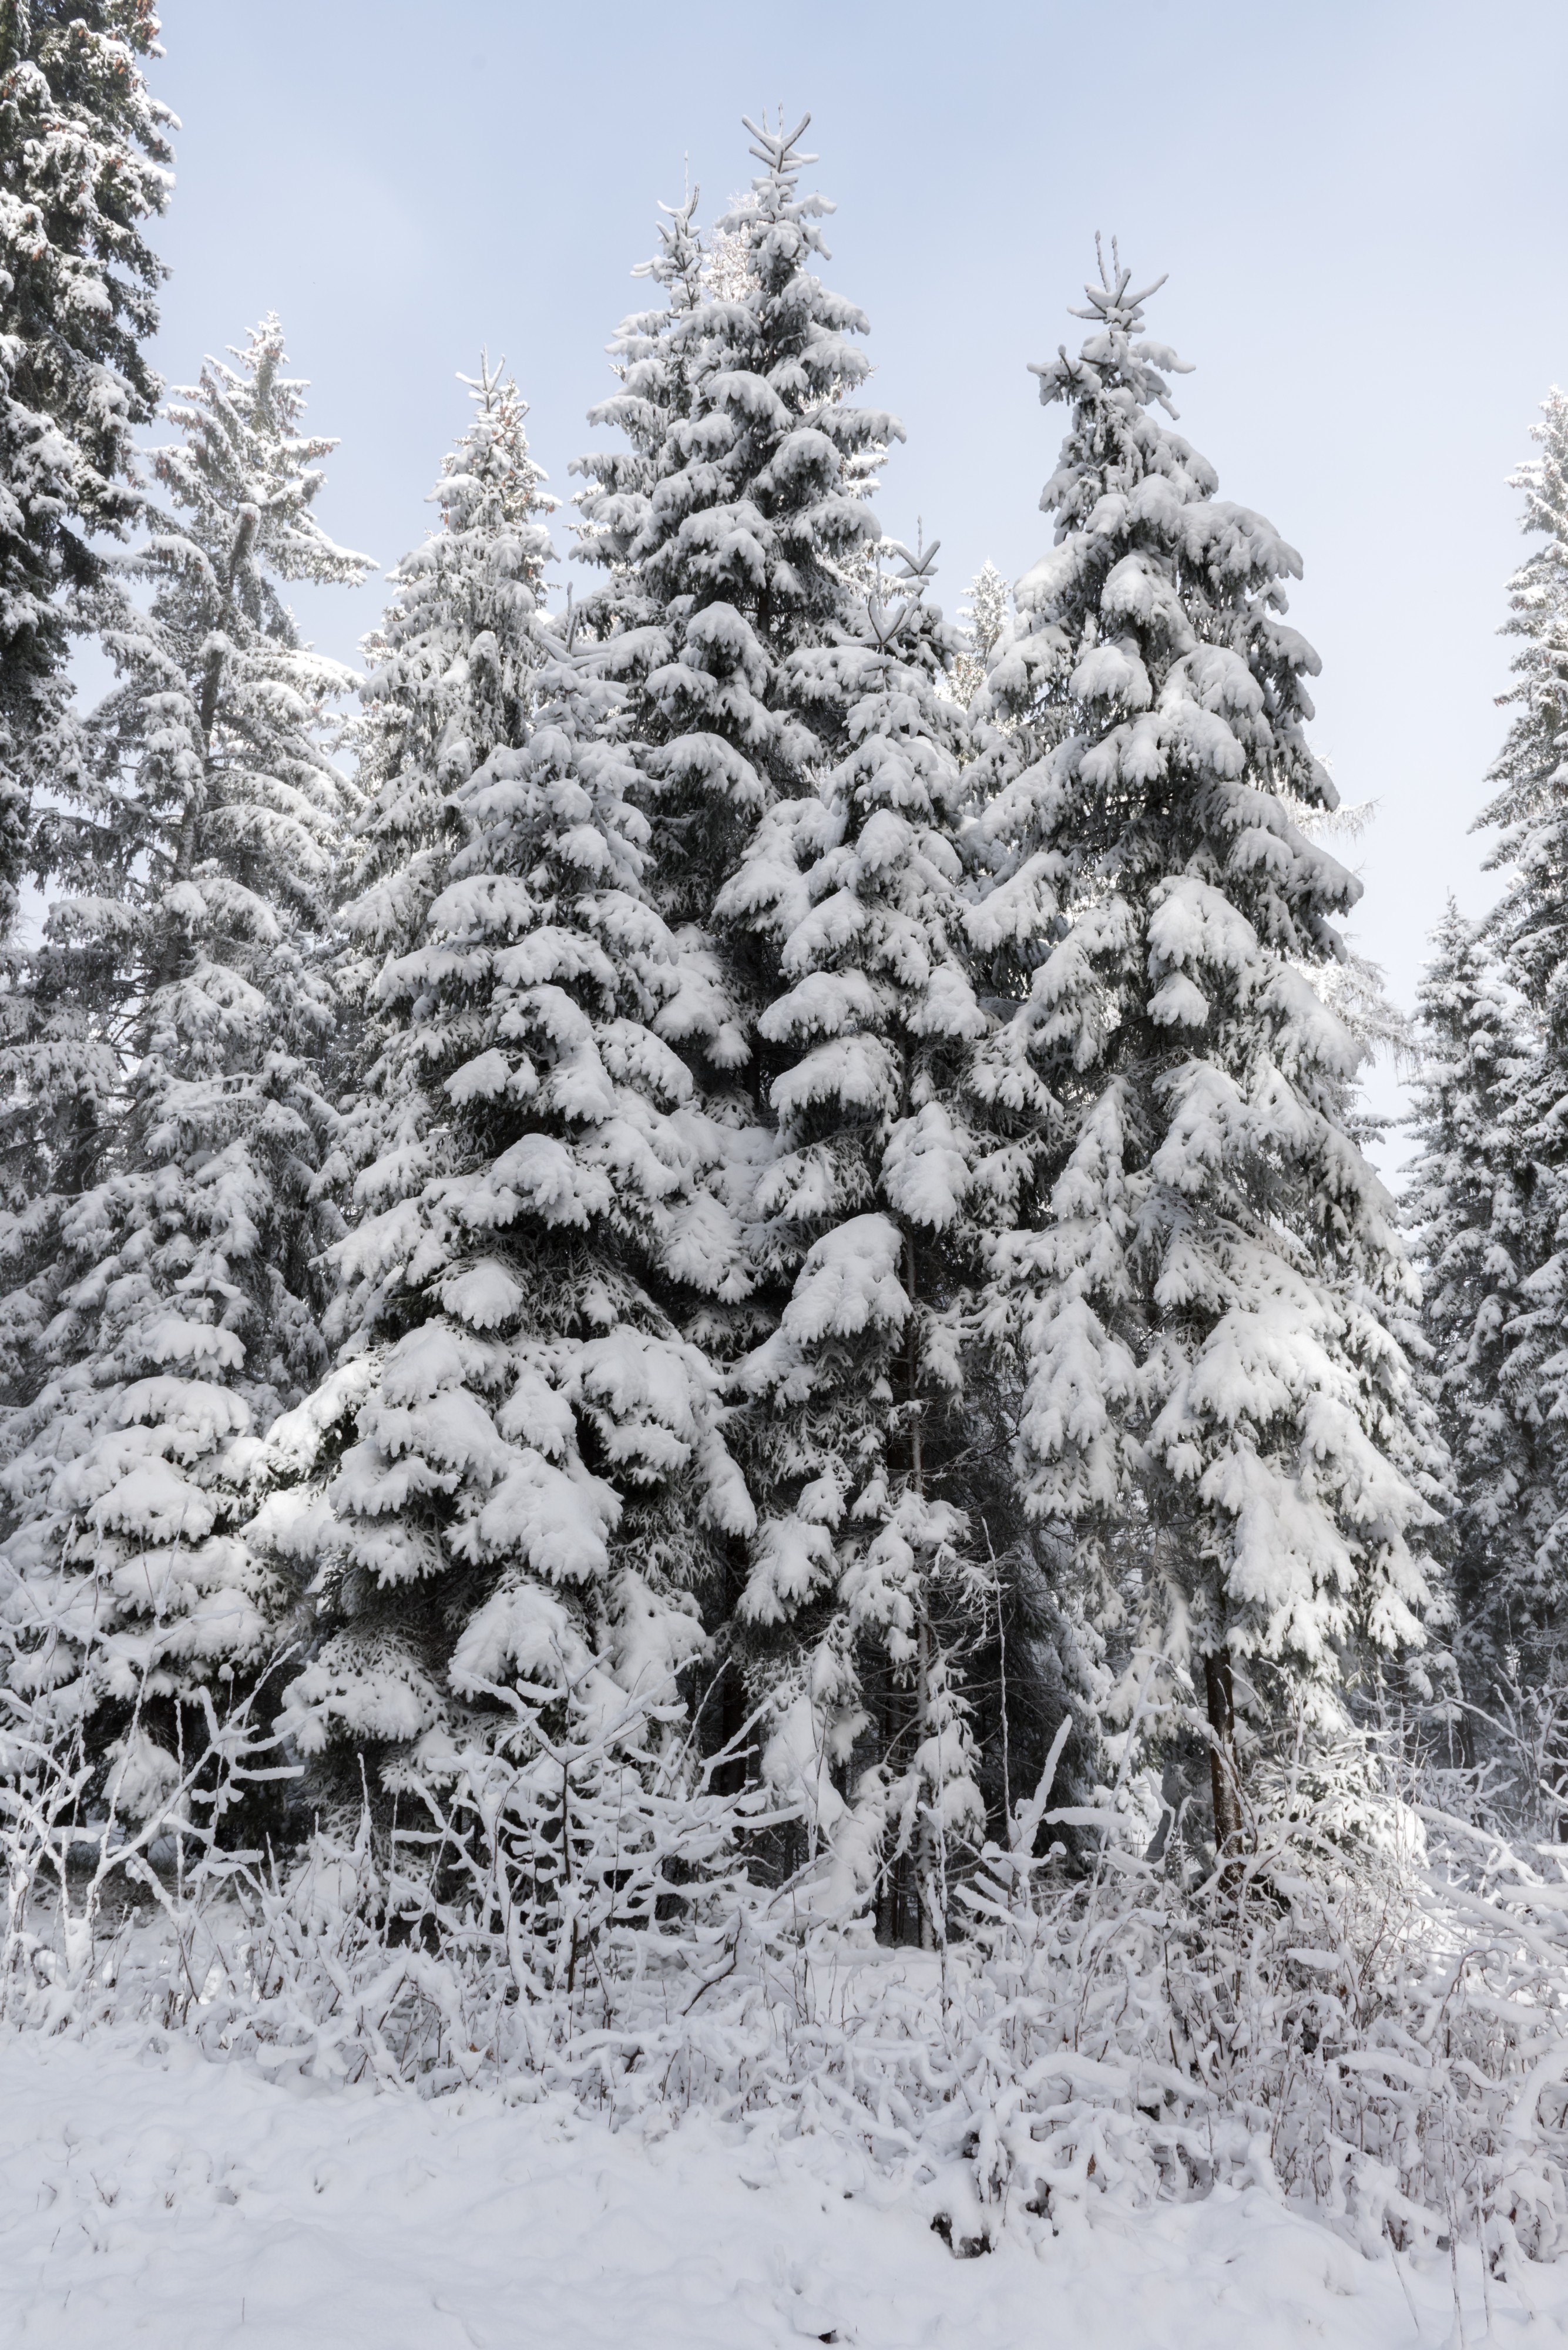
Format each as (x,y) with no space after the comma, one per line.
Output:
(144,2192)
(1376,2040)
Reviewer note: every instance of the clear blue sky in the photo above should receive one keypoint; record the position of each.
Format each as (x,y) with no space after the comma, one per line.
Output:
(1361,208)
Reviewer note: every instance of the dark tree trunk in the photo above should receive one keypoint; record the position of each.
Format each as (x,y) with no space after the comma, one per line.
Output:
(893,1890)
(733,1776)
(1220,1694)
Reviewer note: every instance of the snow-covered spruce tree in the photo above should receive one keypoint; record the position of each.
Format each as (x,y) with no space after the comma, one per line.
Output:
(170,1293)
(986,617)
(1526,931)
(656,354)
(450,673)
(450,678)
(507,1488)
(875,1208)
(730,538)
(1463,1209)
(726,543)
(740,540)
(83,160)
(1214,1405)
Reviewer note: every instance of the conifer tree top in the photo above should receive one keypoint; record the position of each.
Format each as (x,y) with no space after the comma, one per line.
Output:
(241,440)
(1528,805)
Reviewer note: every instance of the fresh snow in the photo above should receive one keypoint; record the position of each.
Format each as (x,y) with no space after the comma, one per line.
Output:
(146,2192)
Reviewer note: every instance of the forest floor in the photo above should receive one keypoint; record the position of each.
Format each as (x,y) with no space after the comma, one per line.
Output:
(148,2193)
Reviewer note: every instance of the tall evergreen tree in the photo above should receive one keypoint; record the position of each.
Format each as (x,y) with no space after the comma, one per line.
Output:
(165,1303)
(1214,1404)
(1466,1208)
(522,1459)
(83,159)
(515,1474)
(743,554)
(656,354)
(1526,930)
(451,669)
(731,533)
(1528,806)
(727,541)
(875,1208)
(452,675)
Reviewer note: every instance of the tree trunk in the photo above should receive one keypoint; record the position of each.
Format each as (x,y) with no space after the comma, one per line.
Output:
(927,1866)
(889,1891)
(1218,1691)
(928,1878)
(733,1776)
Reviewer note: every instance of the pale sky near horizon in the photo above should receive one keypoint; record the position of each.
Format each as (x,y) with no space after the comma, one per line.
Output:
(1361,209)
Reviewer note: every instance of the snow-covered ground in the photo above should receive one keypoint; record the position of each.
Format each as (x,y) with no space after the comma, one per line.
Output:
(155,2196)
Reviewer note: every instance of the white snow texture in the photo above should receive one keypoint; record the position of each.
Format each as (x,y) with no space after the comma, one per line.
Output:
(147,2194)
